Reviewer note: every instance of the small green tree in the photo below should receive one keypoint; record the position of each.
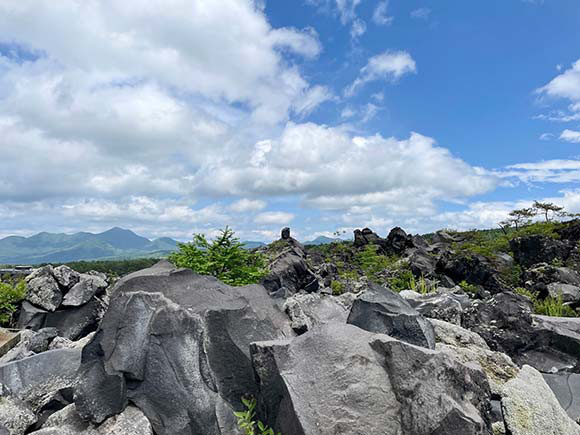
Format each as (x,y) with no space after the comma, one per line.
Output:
(10,297)
(522,216)
(224,257)
(248,424)
(548,209)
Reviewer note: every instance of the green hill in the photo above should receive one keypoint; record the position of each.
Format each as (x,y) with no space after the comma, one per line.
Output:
(116,243)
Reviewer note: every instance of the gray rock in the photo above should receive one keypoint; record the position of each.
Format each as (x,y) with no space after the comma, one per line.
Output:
(15,416)
(177,346)
(289,274)
(309,310)
(568,292)
(43,290)
(339,379)
(36,379)
(566,388)
(65,276)
(378,309)
(530,407)
(446,304)
(544,273)
(468,347)
(67,422)
(554,344)
(285,233)
(72,322)
(84,290)
(31,343)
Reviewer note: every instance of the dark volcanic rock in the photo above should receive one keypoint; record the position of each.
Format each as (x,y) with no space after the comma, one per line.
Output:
(378,309)
(285,233)
(72,323)
(398,240)
(177,345)
(474,269)
(43,290)
(442,305)
(290,273)
(339,379)
(83,291)
(566,387)
(535,249)
(37,379)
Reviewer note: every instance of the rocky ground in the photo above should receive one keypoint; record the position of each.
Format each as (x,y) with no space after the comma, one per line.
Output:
(446,334)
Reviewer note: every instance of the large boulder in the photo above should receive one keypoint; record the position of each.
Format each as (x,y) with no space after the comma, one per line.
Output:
(504,321)
(289,272)
(72,322)
(309,310)
(546,274)
(42,289)
(468,347)
(534,249)
(67,422)
(339,379)
(177,346)
(566,388)
(568,292)
(65,276)
(474,269)
(378,309)
(84,290)
(447,305)
(15,416)
(530,407)
(38,378)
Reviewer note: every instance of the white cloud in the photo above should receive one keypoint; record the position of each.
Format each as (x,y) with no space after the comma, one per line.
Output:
(247,205)
(313,98)
(347,112)
(565,85)
(546,136)
(380,15)
(274,218)
(358,29)
(547,171)
(389,66)
(572,136)
(421,13)
(365,170)
(304,42)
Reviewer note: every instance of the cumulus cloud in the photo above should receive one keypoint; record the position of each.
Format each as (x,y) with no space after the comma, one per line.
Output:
(380,15)
(365,170)
(245,205)
(572,136)
(388,66)
(279,218)
(564,86)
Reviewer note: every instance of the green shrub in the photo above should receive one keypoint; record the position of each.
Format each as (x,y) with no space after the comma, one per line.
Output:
(421,285)
(550,306)
(337,288)
(10,297)
(402,280)
(247,422)
(553,307)
(224,257)
(468,288)
(374,264)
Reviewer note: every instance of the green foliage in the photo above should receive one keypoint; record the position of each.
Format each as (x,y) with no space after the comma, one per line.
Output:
(421,285)
(372,263)
(10,297)
(337,287)
(402,280)
(468,288)
(224,257)
(512,275)
(247,422)
(549,306)
(553,307)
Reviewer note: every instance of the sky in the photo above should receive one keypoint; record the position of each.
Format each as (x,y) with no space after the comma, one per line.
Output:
(174,117)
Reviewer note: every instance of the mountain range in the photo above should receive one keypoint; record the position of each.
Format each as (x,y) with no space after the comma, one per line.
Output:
(116,243)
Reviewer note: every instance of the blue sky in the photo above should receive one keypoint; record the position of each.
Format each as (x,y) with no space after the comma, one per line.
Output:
(324,115)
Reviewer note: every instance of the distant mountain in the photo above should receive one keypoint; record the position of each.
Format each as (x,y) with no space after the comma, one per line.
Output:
(252,245)
(322,240)
(116,243)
